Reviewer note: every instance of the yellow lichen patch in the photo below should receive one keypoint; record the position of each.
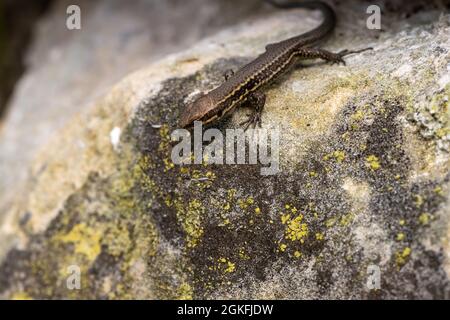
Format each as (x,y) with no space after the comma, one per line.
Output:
(319,236)
(210,175)
(282,247)
(330,222)
(285,218)
(295,230)
(184,170)
(402,222)
(226,265)
(245,202)
(346,219)
(21,296)
(424,218)
(400,236)
(243,255)
(168,164)
(346,136)
(339,155)
(402,256)
(164,133)
(86,240)
(297,254)
(313,174)
(418,200)
(225,222)
(357,116)
(373,162)
(231,193)
(185,291)
(230,267)
(190,219)
(438,190)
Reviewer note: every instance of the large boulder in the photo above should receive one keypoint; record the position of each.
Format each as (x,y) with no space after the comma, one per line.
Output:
(362,191)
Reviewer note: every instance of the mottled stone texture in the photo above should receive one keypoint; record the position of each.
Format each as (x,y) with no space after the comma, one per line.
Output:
(364,181)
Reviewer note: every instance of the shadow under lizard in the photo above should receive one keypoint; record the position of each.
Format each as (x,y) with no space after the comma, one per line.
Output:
(243,87)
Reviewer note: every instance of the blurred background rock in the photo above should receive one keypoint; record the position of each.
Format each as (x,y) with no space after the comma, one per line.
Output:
(47,72)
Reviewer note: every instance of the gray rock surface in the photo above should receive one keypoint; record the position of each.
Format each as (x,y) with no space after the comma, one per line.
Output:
(68,69)
(364,180)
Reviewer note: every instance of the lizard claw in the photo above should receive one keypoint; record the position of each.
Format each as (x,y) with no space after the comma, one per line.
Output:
(253,120)
(341,54)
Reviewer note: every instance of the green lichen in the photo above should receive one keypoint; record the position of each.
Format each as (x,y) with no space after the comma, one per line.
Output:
(424,218)
(373,162)
(185,291)
(86,240)
(400,236)
(296,229)
(191,220)
(401,257)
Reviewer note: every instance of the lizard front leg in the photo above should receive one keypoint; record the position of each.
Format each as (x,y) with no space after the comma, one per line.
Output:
(312,53)
(256,100)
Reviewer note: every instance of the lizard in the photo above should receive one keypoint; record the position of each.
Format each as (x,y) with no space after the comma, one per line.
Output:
(244,86)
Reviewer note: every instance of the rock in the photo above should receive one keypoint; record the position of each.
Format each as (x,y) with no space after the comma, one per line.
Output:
(363,186)
(66,70)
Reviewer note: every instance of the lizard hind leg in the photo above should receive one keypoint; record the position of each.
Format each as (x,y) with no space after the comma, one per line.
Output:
(347,52)
(311,53)
(256,101)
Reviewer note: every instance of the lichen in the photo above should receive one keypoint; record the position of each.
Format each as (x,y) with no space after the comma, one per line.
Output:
(424,218)
(373,162)
(296,229)
(21,296)
(191,220)
(185,291)
(401,257)
(86,240)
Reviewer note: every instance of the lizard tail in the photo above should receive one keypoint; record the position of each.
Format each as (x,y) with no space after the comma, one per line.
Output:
(329,17)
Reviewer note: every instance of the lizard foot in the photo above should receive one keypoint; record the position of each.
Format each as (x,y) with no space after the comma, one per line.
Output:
(253,120)
(256,101)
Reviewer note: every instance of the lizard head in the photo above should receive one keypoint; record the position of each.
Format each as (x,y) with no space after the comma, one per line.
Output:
(196,111)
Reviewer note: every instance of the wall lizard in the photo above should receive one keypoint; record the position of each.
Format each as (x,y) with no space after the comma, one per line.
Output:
(243,87)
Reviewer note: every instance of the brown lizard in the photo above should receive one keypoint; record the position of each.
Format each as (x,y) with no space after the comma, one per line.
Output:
(243,86)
